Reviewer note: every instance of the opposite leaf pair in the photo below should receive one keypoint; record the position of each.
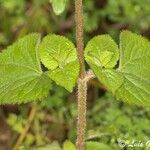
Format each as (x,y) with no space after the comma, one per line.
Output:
(22,78)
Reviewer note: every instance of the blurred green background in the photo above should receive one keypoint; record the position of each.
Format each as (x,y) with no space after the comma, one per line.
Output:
(55,117)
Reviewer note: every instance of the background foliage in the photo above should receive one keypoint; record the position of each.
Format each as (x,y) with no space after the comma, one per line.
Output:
(55,119)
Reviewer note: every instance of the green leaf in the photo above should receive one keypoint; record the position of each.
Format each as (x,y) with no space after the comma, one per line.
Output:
(102,51)
(22,79)
(58,6)
(102,54)
(68,146)
(111,78)
(58,54)
(131,81)
(135,66)
(97,146)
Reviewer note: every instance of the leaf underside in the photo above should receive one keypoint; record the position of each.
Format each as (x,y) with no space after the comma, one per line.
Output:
(21,77)
(131,80)
(58,54)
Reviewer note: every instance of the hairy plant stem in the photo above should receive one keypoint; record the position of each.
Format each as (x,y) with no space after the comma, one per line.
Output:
(79,35)
(81,122)
(82,83)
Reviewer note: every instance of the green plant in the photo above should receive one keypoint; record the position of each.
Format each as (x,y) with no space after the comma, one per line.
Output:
(23,80)
(130,81)
(128,12)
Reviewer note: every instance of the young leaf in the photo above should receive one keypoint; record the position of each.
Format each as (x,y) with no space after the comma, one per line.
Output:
(102,54)
(58,6)
(131,81)
(102,51)
(58,54)
(68,146)
(21,77)
(97,146)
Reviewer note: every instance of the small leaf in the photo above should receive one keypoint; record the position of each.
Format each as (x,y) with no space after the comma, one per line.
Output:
(111,78)
(102,54)
(58,54)
(97,146)
(102,51)
(58,6)
(131,81)
(22,79)
(68,146)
